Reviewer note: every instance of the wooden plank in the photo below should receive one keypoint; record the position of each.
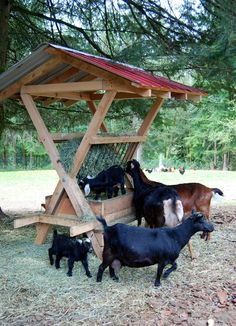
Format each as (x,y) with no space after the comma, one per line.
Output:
(59,220)
(146,124)
(95,225)
(93,108)
(82,228)
(70,184)
(75,96)
(42,232)
(92,130)
(117,139)
(97,242)
(20,222)
(195,98)
(60,136)
(30,77)
(94,125)
(50,89)
(150,117)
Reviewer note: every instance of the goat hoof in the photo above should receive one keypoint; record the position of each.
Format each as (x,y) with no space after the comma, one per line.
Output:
(89,275)
(115,278)
(69,274)
(157,284)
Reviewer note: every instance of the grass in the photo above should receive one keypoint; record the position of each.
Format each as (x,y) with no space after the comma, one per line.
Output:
(34,293)
(33,186)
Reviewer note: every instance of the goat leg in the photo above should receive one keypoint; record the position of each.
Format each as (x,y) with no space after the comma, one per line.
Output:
(57,262)
(160,268)
(170,270)
(190,248)
(70,266)
(85,264)
(101,269)
(50,254)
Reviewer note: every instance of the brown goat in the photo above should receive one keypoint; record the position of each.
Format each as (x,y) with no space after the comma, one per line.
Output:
(193,195)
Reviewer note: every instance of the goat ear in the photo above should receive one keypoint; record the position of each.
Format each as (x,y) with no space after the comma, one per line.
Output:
(90,177)
(87,189)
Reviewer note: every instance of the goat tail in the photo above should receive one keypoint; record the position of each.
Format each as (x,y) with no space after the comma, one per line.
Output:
(102,220)
(54,233)
(217,191)
(217,194)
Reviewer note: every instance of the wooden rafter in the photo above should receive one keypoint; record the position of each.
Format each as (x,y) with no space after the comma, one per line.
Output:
(29,78)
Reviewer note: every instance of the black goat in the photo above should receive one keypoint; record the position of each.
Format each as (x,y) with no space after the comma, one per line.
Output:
(133,246)
(108,181)
(159,205)
(73,249)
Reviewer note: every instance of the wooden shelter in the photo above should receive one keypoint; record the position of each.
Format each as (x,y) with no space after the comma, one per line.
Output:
(55,73)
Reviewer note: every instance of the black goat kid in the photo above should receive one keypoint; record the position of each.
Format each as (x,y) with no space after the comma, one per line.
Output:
(73,249)
(132,246)
(108,181)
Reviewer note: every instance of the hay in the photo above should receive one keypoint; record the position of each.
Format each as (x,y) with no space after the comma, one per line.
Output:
(34,293)
(99,157)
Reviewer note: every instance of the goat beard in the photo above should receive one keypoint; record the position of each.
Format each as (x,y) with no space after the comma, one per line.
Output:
(206,236)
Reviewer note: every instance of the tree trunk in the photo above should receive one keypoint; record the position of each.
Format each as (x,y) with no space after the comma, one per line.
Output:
(225,162)
(215,156)
(4,18)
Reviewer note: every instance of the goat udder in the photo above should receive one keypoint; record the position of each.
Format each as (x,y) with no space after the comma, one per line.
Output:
(116,265)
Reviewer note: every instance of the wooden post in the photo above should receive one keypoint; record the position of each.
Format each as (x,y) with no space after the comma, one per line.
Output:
(145,126)
(67,182)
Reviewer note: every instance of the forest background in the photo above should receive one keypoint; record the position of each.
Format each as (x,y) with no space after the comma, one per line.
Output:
(193,42)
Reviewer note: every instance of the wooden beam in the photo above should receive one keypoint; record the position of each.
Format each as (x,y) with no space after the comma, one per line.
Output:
(51,89)
(93,108)
(143,130)
(116,139)
(145,126)
(83,149)
(179,96)
(86,227)
(92,130)
(20,222)
(30,77)
(75,96)
(60,136)
(195,98)
(162,94)
(70,184)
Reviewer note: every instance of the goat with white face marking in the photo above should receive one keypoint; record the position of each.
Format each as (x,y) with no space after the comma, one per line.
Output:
(108,181)
(73,249)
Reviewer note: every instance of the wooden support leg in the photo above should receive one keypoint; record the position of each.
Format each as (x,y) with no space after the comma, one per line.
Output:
(42,230)
(97,242)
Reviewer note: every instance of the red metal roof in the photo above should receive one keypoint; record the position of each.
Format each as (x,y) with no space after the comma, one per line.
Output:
(134,74)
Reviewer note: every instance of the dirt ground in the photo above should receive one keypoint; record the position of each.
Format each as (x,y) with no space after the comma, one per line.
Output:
(200,292)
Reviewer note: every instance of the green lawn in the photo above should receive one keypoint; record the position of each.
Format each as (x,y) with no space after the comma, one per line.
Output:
(26,190)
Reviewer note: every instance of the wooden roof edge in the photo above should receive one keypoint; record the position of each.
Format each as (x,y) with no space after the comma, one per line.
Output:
(23,73)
